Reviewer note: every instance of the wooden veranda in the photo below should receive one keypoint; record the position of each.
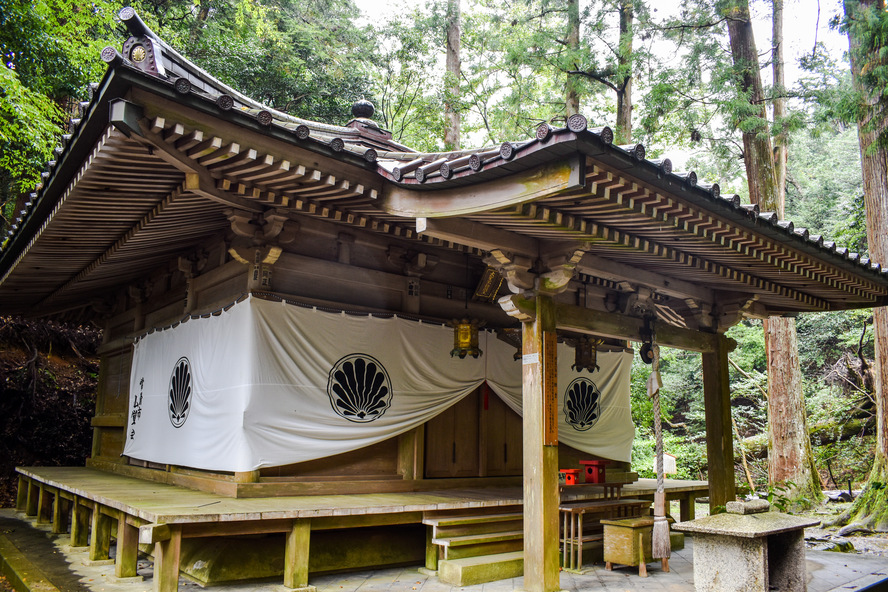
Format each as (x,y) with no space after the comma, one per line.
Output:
(94,506)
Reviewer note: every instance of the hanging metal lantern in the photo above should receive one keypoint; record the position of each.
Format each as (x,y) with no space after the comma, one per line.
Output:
(586,353)
(648,336)
(465,338)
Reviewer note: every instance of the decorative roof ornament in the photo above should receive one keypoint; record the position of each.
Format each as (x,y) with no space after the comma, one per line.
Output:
(142,48)
(363,109)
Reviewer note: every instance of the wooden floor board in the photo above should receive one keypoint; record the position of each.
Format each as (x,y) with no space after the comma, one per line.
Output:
(161,503)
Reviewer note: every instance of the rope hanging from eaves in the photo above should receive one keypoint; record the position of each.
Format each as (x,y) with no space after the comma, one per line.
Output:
(660,543)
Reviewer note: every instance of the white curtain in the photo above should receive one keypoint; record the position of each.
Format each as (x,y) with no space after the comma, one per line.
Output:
(267,383)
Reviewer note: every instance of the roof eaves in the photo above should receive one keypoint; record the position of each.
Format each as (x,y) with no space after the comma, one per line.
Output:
(75,148)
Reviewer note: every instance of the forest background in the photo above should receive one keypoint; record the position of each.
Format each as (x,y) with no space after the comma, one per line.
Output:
(662,78)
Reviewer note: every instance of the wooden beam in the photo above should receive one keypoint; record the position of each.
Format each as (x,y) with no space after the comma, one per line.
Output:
(619,272)
(602,235)
(150,534)
(541,496)
(543,181)
(719,437)
(480,236)
(236,528)
(605,324)
(127,113)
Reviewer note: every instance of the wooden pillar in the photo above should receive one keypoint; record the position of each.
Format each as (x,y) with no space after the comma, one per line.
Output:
(79,523)
(719,438)
(411,454)
(296,554)
(166,561)
(21,498)
(246,476)
(125,563)
(686,507)
(431,555)
(59,514)
(100,539)
(539,372)
(33,498)
(44,505)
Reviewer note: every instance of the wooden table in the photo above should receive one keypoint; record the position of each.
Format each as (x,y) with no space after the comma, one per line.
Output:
(576,532)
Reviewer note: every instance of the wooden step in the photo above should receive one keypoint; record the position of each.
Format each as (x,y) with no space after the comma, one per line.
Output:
(482,548)
(480,538)
(478,570)
(442,521)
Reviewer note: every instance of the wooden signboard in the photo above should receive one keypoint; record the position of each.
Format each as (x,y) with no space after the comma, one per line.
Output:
(550,388)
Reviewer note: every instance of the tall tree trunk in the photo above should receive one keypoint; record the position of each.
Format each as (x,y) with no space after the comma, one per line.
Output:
(571,92)
(757,155)
(623,132)
(871,507)
(790,458)
(777,65)
(451,82)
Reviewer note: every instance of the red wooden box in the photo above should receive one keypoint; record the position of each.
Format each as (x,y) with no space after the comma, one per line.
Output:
(571,476)
(594,470)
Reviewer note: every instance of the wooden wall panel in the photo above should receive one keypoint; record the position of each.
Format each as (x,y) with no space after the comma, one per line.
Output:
(452,447)
(377,461)
(503,437)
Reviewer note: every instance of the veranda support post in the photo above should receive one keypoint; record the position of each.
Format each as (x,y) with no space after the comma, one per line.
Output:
(539,371)
(719,443)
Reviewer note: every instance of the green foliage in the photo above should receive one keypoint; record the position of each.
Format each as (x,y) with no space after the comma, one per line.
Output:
(681,413)
(846,460)
(824,189)
(306,58)
(690,455)
(867,27)
(410,102)
(29,128)
(50,52)
(780,496)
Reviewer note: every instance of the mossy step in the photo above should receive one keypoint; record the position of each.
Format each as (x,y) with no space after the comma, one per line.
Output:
(475,539)
(479,570)
(441,521)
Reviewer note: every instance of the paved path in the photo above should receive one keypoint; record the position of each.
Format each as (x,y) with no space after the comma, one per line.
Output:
(57,567)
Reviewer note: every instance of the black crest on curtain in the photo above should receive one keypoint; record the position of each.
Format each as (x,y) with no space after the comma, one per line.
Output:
(582,406)
(359,388)
(180,392)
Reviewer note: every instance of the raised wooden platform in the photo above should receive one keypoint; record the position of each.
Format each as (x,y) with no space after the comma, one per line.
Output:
(89,501)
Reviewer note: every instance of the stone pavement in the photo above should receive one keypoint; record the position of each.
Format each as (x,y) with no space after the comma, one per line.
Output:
(50,565)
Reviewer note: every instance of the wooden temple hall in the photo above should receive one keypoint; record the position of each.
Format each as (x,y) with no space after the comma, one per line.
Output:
(326,351)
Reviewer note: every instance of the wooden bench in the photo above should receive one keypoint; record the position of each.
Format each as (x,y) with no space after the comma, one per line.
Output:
(580,524)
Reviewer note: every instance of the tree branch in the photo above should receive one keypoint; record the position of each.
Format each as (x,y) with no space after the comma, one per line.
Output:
(743,372)
(596,76)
